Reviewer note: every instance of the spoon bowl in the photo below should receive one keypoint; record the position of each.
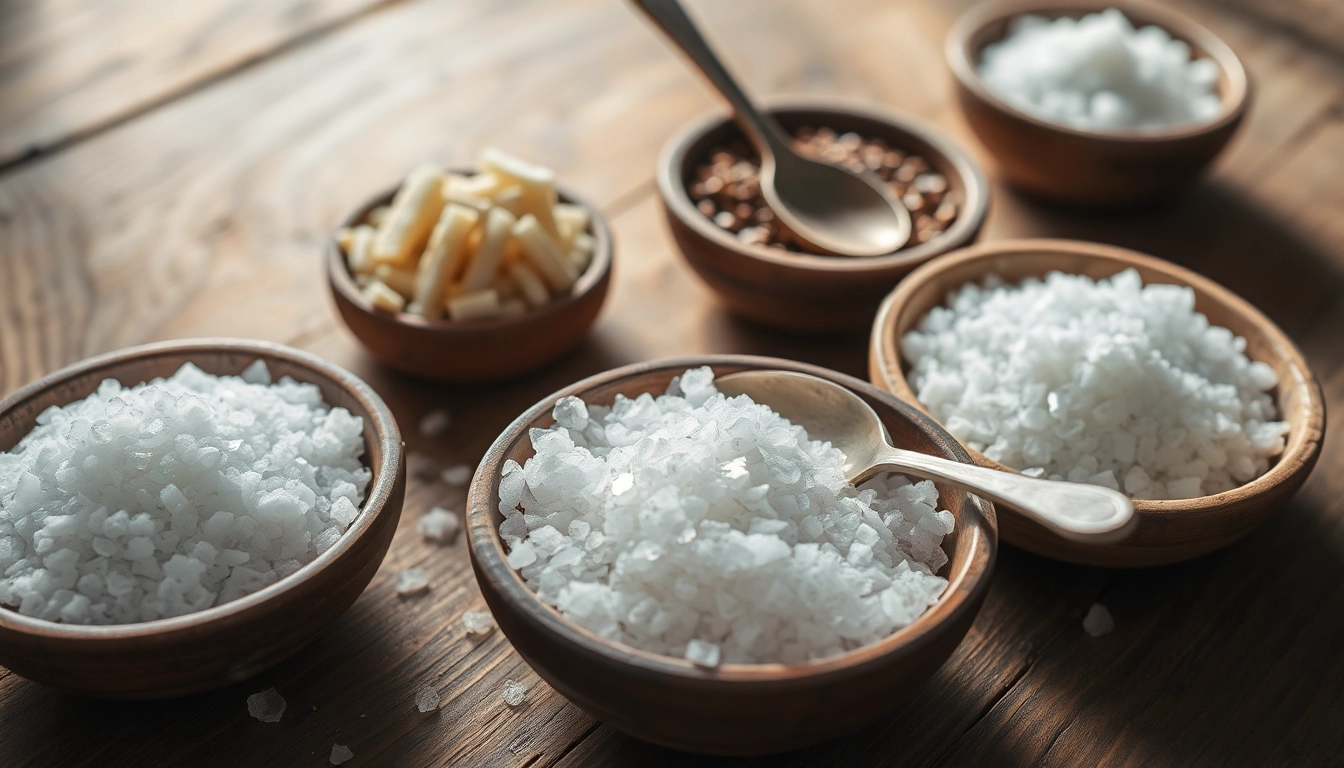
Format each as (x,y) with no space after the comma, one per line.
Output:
(830,412)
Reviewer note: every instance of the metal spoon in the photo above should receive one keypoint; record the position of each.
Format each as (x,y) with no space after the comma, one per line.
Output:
(831,208)
(1086,513)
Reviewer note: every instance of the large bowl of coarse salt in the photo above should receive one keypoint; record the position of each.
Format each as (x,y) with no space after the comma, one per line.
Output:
(1096,102)
(697,572)
(181,516)
(1096,364)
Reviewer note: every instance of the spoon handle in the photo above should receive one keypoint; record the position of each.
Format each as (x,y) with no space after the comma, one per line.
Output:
(671,18)
(1086,513)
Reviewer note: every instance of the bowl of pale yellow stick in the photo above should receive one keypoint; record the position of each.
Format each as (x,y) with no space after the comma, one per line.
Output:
(474,275)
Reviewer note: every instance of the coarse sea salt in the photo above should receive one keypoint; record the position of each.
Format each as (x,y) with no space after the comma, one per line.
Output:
(426,699)
(478,622)
(1108,382)
(435,423)
(515,693)
(1099,72)
(439,525)
(1098,621)
(267,706)
(174,495)
(457,475)
(411,581)
(340,754)
(711,528)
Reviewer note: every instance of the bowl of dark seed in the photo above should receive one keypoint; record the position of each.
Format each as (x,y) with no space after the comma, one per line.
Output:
(709,180)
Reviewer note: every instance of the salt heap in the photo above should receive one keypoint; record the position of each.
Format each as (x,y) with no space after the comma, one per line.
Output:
(694,517)
(1100,73)
(1111,382)
(174,495)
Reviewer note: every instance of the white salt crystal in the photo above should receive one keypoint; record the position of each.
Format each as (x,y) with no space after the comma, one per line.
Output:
(1100,73)
(440,525)
(266,706)
(702,654)
(175,495)
(457,475)
(514,693)
(411,581)
(478,622)
(340,753)
(420,465)
(435,423)
(1098,621)
(427,699)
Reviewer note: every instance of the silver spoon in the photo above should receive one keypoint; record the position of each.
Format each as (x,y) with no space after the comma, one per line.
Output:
(1086,513)
(833,209)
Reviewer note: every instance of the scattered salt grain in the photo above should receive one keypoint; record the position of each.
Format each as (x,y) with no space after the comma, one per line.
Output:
(1107,382)
(174,495)
(457,475)
(267,706)
(1100,73)
(421,465)
(690,521)
(478,622)
(427,699)
(411,581)
(435,423)
(1098,621)
(514,693)
(340,753)
(440,525)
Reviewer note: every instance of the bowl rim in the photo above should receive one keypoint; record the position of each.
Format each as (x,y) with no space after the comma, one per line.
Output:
(381,487)
(341,281)
(965,586)
(675,154)
(961,59)
(888,362)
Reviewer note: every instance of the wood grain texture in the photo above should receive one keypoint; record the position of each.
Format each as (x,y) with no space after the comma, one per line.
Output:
(207,215)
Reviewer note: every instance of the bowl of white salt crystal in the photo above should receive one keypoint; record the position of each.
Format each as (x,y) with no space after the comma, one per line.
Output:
(696,571)
(180,516)
(1096,364)
(1105,103)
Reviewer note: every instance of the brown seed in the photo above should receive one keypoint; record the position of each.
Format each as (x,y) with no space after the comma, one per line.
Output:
(918,163)
(826,134)
(744,211)
(913,201)
(946,212)
(707,207)
(850,141)
(931,184)
(713,185)
(906,173)
(721,157)
(893,159)
(765,215)
(725,219)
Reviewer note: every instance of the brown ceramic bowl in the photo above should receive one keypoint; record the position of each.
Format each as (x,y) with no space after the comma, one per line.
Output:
(229,642)
(735,709)
(797,291)
(1168,531)
(475,350)
(1092,167)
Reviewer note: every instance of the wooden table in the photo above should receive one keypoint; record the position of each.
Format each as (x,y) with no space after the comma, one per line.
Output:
(171,169)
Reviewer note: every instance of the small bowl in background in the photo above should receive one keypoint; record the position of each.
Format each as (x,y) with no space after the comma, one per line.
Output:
(235,640)
(1168,531)
(798,291)
(1092,167)
(735,709)
(473,350)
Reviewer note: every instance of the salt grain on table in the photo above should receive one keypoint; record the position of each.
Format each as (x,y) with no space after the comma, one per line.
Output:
(435,423)
(439,525)
(340,753)
(457,475)
(478,622)
(421,465)
(427,699)
(267,706)
(411,581)
(702,654)
(515,693)
(1098,621)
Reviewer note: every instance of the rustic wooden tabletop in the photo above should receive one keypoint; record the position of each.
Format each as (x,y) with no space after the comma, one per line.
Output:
(172,169)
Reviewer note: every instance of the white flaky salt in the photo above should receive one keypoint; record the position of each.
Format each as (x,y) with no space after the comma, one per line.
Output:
(1100,73)
(267,706)
(1107,382)
(686,517)
(411,581)
(703,654)
(457,475)
(174,495)
(439,525)
(477,622)
(340,754)
(1098,621)
(515,693)
(421,466)
(427,699)
(435,423)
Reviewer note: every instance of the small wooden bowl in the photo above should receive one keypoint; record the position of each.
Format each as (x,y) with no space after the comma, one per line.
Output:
(230,642)
(797,291)
(737,709)
(1092,167)
(474,350)
(1168,531)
